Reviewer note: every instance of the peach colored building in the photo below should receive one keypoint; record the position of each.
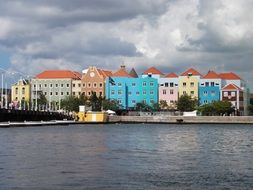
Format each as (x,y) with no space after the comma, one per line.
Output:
(168,89)
(94,81)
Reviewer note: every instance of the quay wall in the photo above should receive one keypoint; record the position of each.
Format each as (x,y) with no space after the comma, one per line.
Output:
(183,119)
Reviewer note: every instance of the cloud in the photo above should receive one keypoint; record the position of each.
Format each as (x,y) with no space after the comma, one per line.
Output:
(169,34)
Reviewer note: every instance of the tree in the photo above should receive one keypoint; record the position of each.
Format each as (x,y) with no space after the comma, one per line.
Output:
(111,105)
(216,108)
(250,108)
(163,104)
(95,102)
(142,106)
(186,103)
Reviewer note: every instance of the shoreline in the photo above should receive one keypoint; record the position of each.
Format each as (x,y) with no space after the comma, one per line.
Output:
(180,120)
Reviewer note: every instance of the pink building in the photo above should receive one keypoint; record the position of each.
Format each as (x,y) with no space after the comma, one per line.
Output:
(168,89)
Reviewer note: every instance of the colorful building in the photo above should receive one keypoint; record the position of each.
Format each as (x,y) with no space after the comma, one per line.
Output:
(129,91)
(55,85)
(234,94)
(189,83)
(21,93)
(168,89)
(152,72)
(93,80)
(209,88)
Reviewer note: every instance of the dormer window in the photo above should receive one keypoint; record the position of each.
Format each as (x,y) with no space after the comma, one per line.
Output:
(189,74)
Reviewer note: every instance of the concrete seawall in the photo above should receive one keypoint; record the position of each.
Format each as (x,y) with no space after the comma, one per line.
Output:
(183,119)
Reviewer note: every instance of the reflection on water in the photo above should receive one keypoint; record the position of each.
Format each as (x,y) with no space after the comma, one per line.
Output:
(127,157)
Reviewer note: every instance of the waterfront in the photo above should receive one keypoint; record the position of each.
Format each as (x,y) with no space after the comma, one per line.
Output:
(127,156)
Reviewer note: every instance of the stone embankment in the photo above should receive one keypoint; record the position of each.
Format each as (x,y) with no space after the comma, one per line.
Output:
(183,119)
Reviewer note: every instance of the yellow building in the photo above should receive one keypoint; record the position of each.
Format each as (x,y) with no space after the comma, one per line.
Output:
(21,91)
(189,83)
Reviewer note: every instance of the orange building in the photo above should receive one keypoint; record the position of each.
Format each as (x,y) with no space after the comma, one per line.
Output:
(93,80)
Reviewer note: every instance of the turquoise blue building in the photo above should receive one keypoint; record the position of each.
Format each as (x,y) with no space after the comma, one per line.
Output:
(209,88)
(129,91)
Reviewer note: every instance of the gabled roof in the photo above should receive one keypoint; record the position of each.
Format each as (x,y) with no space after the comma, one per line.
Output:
(104,73)
(211,75)
(229,76)
(152,70)
(192,72)
(231,87)
(133,73)
(56,74)
(121,73)
(171,75)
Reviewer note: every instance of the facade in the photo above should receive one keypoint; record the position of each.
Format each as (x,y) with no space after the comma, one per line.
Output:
(168,89)
(55,85)
(189,83)
(76,88)
(93,80)
(234,94)
(209,88)
(129,91)
(20,93)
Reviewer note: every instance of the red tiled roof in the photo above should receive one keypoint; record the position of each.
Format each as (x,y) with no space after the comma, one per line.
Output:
(231,87)
(105,73)
(121,73)
(211,75)
(171,75)
(52,74)
(152,70)
(191,71)
(229,76)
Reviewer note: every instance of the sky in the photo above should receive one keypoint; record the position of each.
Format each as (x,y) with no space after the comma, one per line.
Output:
(172,35)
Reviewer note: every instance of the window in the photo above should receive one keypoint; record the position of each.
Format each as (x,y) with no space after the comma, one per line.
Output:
(192,93)
(74,85)
(184,92)
(225,94)
(138,93)
(51,93)
(207,84)
(171,101)
(79,85)
(40,85)
(83,85)
(119,84)
(100,85)
(166,84)
(152,101)
(67,85)
(129,93)
(34,86)
(100,93)
(112,92)
(176,84)
(62,93)
(164,91)
(88,93)
(144,84)
(192,84)
(171,84)
(56,93)
(23,90)
(133,84)
(79,93)
(144,101)
(171,91)
(184,84)
(233,94)
(67,93)
(45,85)
(151,83)
(133,101)
(74,93)
(51,85)
(62,85)
(83,93)
(144,92)
(205,93)
(212,93)
(119,101)
(16,90)
(151,92)
(95,85)
(119,92)
(89,85)
(45,93)
(205,101)
(212,83)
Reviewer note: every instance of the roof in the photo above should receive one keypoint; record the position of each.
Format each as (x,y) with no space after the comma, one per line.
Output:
(211,75)
(133,73)
(229,76)
(105,73)
(121,73)
(231,87)
(152,70)
(55,74)
(191,71)
(171,75)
